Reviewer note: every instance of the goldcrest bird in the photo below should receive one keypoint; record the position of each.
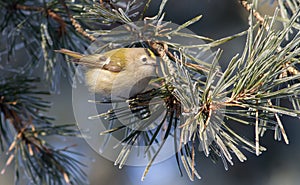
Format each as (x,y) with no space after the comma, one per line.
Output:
(122,72)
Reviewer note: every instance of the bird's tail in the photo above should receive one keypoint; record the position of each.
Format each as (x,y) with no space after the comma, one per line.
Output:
(70,53)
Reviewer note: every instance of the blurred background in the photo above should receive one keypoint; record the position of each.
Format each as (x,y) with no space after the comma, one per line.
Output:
(277,166)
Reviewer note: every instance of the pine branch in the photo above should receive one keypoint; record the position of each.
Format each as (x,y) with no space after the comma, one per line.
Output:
(196,98)
(38,30)
(23,134)
(245,93)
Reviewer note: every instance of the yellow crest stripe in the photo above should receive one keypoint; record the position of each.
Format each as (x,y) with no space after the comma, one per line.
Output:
(150,53)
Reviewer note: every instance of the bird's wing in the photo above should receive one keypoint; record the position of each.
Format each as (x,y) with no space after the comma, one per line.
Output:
(115,61)
(113,64)
(109,63)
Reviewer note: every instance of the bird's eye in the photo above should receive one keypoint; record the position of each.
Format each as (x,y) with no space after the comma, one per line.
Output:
(144,59)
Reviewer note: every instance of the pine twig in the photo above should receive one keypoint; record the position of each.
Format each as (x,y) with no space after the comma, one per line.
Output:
(56,17)
(255,13)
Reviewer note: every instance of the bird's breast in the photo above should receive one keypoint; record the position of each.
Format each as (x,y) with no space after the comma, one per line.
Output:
(126,83)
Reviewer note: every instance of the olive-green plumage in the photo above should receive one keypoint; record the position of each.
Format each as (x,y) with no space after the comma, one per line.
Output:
(119,73)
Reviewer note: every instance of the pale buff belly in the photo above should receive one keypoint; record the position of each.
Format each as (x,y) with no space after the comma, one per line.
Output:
(120,84)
